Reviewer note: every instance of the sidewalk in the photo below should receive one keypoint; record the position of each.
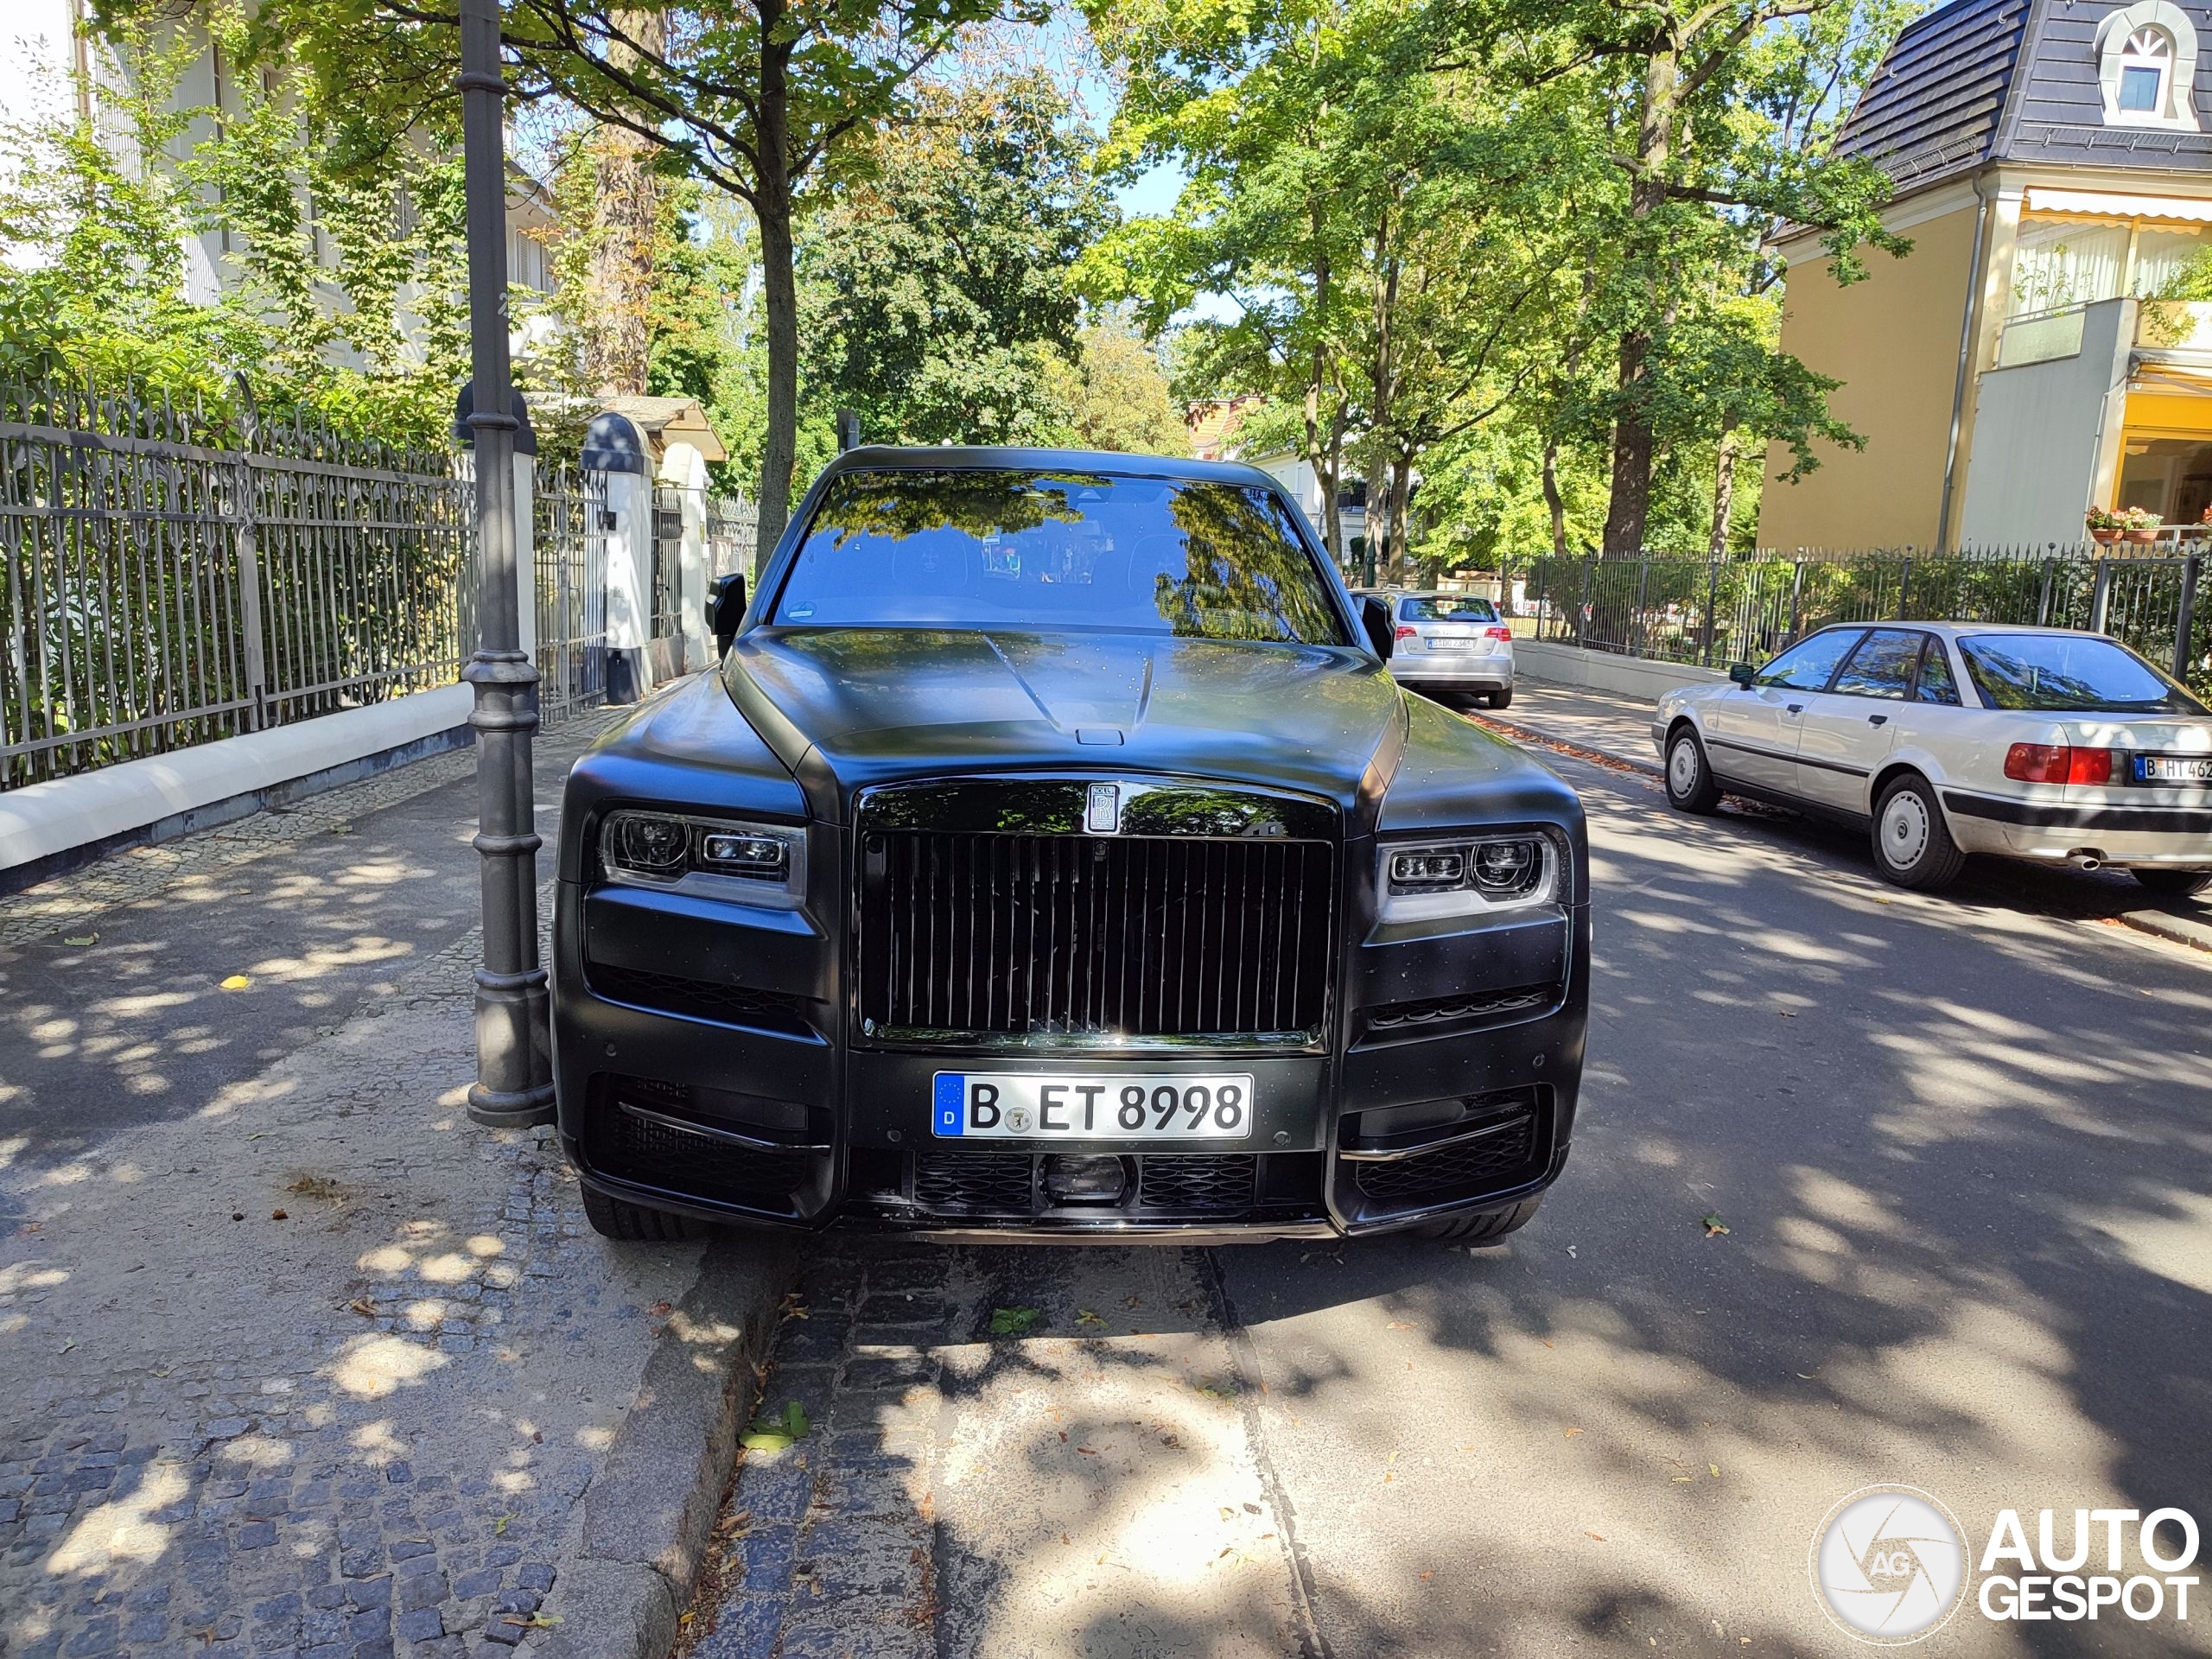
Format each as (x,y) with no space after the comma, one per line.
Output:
(1618,730)
(296,1358)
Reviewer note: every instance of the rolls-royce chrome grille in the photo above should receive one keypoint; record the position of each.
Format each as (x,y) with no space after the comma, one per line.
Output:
(1092,937)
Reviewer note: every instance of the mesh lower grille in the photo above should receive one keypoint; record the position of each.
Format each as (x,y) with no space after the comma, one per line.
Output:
(701,999)
(973,1183)
(1135,936)
(1491,1163)
(1210,1185)
(652,1154)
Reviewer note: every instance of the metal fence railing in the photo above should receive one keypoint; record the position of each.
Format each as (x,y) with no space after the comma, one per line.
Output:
(1717,611)
(171,577)
(568,537)
(733,530)
(666,598)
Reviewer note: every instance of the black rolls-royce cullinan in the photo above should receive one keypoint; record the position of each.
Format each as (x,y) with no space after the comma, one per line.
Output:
(1052,856)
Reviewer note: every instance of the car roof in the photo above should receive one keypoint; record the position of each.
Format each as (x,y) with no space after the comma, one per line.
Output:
(882,457)
(1957,630)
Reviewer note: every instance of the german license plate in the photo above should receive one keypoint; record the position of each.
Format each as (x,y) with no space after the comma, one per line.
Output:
(1448,642)
(1001,1105)
(2173,768)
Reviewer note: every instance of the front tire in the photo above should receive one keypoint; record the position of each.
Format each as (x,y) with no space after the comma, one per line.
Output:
(633,1223)
(1912,844)
(2174,884)
(1485,1226)
(1690,787)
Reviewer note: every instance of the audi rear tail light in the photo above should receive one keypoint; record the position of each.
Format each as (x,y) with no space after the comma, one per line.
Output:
(1405,632)
(2088,767)
(1497,633)
(2038,763)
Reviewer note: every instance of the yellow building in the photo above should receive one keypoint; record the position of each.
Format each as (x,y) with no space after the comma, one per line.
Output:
(2021,364)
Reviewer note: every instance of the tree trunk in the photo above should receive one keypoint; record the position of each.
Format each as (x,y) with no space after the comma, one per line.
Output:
(1633,439)
(1333,505)
(1724,490)
(1552,500)
(1401,488)
(625,224)
(779,282)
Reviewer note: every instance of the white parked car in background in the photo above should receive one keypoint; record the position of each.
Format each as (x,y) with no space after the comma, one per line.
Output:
(1451,642)
(1951,739)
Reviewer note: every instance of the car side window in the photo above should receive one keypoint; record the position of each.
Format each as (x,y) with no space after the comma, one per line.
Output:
(1937,684)
(1882,665)
(1807,666)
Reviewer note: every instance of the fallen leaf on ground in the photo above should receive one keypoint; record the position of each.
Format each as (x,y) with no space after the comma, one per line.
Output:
(279,1215)
(237,982)
(661,1310)
(315,1186)
(1402,1324)
(1714,1225)
(1569,1434)
(1716,1470)
(1013,1321)
(1086,1317)
(777,1433)
(83,938)
(364,1306)
(1599,1537)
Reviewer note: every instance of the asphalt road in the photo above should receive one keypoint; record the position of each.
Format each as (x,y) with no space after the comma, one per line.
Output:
(1961,1148)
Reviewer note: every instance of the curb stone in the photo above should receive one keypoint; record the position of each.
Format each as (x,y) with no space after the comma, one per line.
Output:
(647,1515)
(2160,923)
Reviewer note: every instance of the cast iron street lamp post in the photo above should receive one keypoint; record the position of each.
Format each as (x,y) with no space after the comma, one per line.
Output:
(514,1078)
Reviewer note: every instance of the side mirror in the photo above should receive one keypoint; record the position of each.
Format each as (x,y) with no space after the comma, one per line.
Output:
(725,610)
(1374,617)
(1741,673)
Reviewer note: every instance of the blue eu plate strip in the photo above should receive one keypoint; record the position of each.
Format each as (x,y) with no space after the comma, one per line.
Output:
(950,1088)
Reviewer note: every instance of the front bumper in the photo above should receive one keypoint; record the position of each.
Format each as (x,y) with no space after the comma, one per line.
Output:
(704,1066)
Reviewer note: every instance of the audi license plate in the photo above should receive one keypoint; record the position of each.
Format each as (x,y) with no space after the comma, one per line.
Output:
(1000,1105)
(1454,642)
(2173,768)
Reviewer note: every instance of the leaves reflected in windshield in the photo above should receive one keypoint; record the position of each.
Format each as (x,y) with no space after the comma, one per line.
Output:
(981,503)
(1245,574)
(2055,673)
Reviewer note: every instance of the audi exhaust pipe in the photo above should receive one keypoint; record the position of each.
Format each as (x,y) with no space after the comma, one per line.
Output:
(2085,858)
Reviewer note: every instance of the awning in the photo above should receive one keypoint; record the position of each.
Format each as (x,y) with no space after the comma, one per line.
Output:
(2115,204)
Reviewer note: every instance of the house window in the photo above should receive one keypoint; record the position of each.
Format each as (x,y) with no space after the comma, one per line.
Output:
(2146,63)
(2146,66)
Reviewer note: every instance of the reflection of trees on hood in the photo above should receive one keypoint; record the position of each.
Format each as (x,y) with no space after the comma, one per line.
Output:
(897,505)
(1246,576)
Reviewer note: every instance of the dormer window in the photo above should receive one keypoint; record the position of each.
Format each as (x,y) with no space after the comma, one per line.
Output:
(2146,66)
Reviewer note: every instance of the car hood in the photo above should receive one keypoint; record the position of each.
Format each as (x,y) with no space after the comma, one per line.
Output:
(849,708)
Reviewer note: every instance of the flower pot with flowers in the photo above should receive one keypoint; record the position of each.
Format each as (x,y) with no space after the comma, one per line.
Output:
(2104,526)
(2138,524)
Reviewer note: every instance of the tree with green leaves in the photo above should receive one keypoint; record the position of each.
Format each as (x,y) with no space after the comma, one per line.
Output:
(770,101)
(939,304)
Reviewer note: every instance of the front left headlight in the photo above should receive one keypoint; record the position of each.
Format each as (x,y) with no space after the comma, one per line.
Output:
(715,858)
(1467,875)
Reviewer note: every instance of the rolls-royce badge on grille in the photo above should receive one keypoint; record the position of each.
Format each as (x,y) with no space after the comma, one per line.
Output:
(1051,853)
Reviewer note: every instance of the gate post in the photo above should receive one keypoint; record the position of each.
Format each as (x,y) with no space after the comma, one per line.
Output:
(2101,593)
(1904,590)
(1582,612)
(2185,625)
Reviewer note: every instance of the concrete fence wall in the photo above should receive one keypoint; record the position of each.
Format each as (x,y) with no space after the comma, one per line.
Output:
(1642,678)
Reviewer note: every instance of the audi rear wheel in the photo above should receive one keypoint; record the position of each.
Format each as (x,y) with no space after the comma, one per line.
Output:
(1912,844)
(1690,787)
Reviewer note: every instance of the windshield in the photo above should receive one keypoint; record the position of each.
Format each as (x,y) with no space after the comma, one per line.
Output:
(1445,608)
(973,549)
(2076,673)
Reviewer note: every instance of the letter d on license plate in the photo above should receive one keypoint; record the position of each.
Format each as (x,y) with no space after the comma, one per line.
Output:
(1029,1106)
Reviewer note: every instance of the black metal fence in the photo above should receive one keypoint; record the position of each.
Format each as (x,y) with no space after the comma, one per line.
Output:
(1714,612)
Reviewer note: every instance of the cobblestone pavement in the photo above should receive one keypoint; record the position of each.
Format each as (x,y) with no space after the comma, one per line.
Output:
(318,1367)
(1008,1451)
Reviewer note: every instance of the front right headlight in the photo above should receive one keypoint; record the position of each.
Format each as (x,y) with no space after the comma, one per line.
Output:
(715,858)
(1467,875)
